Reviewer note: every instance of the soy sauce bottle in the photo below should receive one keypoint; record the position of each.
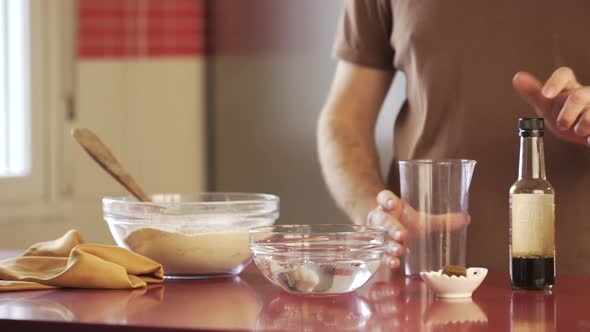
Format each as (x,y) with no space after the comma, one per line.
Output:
(532,214)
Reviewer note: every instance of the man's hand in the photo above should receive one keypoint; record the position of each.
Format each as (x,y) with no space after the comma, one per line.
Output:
(388,214)
(562,101)
(403,222)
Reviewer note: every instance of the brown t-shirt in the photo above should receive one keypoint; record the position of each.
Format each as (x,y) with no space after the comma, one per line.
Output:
(459,57)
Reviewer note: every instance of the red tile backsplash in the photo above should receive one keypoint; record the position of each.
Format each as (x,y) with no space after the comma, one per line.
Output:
(140,28)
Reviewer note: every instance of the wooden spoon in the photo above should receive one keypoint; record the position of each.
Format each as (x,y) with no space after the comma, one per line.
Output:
(105,158)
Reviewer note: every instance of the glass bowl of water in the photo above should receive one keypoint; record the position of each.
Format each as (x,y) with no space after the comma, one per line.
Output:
(318,259)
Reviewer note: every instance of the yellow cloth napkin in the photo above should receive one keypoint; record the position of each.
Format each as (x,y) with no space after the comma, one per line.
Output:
(68,262)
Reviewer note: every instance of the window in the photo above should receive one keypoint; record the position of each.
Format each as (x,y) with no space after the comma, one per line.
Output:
(20,159)
(33,56)
(15,148)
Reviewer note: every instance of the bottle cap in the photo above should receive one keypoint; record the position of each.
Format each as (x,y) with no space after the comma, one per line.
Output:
(531,127)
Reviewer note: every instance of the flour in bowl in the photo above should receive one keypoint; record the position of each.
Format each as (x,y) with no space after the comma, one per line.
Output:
(184,254)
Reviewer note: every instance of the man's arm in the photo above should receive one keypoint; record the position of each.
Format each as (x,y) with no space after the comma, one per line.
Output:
(346,137)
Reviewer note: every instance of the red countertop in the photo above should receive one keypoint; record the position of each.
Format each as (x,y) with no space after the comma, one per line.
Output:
(249,302)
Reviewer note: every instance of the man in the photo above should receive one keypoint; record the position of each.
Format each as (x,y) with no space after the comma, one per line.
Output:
(459,59)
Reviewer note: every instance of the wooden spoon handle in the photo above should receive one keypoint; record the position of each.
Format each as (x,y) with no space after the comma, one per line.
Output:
(105,158)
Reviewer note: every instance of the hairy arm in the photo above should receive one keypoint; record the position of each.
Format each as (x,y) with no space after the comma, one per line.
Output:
(346,138)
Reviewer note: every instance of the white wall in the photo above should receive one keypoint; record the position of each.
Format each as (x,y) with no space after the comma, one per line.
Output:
(267,96)
(385,122)
(150,112)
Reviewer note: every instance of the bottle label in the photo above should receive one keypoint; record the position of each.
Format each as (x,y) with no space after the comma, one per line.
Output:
(533,225)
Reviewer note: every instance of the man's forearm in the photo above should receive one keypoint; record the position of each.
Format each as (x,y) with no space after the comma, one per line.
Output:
(346,137)
(350,165)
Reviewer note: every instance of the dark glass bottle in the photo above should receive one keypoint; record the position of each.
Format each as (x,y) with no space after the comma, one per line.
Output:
(532,214)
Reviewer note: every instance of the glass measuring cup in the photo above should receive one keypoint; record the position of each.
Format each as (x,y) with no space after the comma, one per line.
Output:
(436,200)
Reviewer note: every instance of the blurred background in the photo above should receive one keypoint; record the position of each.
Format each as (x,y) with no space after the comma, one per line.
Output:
(191,95)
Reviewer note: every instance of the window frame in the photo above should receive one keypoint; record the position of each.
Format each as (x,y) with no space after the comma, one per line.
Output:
(44,191)
(30,186)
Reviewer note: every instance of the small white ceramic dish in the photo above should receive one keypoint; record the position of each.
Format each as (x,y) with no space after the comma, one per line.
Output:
(453,287)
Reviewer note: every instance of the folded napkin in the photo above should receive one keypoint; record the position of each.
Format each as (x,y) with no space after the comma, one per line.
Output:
(68,262)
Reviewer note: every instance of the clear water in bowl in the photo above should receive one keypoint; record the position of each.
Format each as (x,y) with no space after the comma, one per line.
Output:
(318,277)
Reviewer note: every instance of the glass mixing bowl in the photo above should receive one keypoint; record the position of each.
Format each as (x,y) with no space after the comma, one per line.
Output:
(195,235)
(318,259)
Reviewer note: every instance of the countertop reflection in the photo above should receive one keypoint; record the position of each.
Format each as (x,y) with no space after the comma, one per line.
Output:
(388,302)
(114,306)
(348,312)
(227,303)
(406,304)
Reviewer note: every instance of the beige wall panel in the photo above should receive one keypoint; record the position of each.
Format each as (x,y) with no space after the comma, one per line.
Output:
(150,112)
